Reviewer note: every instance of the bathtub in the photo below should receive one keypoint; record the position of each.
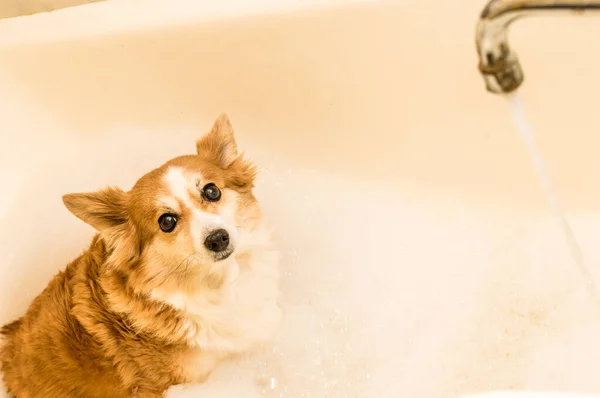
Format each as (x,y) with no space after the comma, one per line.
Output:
(419,257)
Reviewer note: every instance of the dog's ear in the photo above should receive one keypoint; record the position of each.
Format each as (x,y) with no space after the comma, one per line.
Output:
(102,209)
(219,146)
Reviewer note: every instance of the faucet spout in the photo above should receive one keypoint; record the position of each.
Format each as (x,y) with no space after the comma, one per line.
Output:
(498,63)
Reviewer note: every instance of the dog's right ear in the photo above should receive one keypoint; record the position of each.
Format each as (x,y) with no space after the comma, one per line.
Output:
(102,209)
(219,146)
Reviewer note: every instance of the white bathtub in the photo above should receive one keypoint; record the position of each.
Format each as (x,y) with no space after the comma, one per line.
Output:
(419,257)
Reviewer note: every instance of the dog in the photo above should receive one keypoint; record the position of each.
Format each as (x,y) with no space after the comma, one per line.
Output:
(182,274)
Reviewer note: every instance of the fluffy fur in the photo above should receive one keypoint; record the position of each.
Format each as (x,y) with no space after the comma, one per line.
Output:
(143,309)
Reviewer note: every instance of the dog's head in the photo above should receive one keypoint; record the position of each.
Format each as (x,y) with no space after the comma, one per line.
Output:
(181,223)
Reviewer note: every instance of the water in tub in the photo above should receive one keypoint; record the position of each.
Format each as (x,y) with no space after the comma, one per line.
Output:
(389,298)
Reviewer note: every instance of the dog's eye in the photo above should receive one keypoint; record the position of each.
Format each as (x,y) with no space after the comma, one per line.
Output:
(167,222)
(211,192)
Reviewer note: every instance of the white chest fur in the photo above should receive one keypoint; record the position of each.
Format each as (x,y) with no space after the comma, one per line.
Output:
(241,315)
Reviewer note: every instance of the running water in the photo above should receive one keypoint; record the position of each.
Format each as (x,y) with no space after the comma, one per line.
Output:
(518,115)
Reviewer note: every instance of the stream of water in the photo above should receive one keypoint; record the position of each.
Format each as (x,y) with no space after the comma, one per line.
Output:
(528,136)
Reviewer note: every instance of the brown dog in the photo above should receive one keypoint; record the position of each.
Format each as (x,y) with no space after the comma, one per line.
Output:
(181,275)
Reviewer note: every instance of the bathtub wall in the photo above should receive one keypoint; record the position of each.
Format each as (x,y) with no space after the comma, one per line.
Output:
(387,91)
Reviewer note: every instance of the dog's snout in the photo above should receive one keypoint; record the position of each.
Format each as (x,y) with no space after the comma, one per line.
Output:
(217,241)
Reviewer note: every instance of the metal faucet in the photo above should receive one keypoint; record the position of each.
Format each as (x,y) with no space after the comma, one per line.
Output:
(499,64)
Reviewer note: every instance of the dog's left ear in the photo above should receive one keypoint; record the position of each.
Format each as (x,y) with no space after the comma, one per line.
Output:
(102,209)
(219,144)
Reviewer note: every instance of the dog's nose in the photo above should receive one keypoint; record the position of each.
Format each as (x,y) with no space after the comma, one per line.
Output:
(217,241)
